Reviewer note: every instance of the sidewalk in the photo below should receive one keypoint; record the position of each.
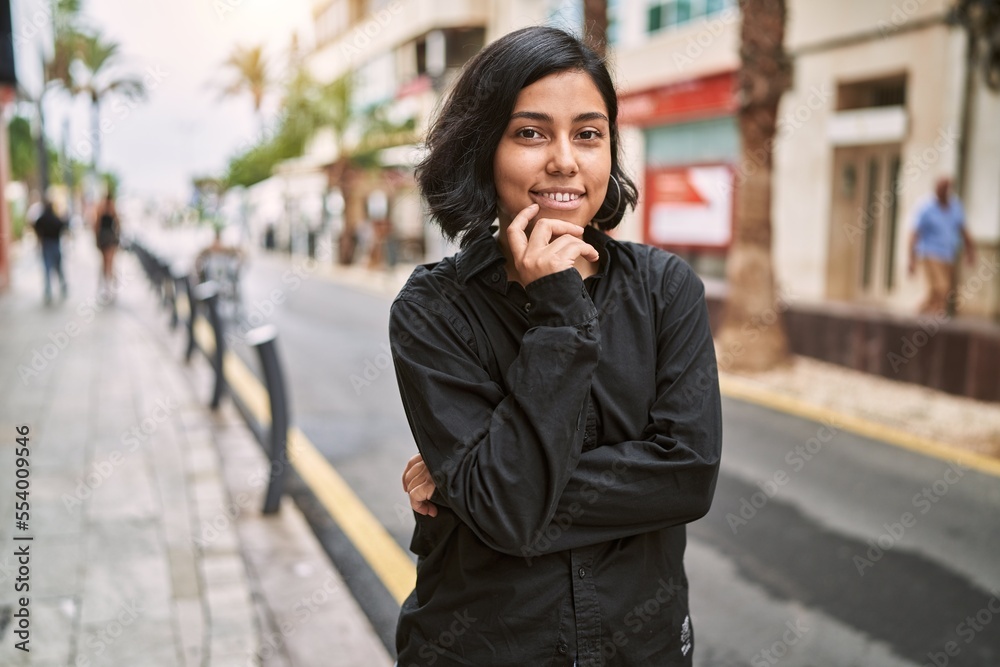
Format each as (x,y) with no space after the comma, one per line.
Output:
(147,542)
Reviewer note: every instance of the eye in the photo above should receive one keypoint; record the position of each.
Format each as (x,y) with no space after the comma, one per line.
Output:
(528,133)
(590,135)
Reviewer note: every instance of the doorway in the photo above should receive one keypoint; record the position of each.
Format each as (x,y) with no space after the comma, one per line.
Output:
(863,259)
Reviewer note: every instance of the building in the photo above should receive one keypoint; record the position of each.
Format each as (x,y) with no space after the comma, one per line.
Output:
(880,105)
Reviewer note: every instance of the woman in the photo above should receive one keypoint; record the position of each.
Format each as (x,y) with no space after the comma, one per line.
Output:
(561,386)
(107,230)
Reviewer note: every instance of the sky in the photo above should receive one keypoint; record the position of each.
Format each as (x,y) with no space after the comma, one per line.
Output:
(184,128)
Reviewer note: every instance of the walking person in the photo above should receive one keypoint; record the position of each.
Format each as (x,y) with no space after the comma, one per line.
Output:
(938,230)
(49,228)
(108,233)
(561,386)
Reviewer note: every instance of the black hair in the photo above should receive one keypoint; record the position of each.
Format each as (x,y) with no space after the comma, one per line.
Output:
(456,175)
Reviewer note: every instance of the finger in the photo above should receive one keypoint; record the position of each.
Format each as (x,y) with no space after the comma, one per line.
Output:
(422,491)
(517,239)
(569,248)
(546,229)
(414,475)
(416,458)
(425,507)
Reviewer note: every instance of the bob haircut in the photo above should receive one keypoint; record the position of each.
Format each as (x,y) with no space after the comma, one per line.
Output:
(456,175)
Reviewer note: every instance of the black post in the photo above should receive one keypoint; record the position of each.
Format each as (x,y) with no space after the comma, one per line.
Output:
(208,294)
(192,311)
(172,280)
(263,339)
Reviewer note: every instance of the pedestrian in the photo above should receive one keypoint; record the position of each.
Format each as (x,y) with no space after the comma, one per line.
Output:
(561,385)
(108,232)
(938,230)
(49,228)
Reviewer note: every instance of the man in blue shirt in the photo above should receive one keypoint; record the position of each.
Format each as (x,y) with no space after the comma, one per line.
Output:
(938,229)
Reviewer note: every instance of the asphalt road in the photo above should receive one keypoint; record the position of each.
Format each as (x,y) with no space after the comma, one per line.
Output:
(822,548)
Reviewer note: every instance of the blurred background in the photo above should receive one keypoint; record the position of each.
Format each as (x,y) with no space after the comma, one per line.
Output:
(784,148)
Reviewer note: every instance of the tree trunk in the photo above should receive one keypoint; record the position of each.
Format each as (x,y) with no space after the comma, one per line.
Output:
(43,153)
(753,337)
(595,24)
(95,155)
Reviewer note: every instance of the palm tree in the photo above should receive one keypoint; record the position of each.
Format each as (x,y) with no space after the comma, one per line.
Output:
(981,19)
(55,72)
(252,74)
(97,58)
(752,336)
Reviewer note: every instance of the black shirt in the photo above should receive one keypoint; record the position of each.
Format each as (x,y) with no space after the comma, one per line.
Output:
(49,225)
(572,427)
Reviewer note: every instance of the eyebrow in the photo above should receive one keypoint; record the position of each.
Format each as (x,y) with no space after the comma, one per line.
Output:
(546,118)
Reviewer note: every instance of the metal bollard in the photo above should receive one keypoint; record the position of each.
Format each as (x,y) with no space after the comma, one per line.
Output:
(263,339)
(172,279)
(208,294)
(192,311)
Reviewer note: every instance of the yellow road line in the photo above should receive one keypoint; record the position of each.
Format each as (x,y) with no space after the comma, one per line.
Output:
(392,565)
(738,388)
(389,562)
(372,540)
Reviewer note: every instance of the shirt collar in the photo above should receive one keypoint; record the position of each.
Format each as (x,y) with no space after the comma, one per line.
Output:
(483,252)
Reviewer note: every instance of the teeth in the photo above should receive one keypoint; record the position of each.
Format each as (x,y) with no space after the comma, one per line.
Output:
(561,196)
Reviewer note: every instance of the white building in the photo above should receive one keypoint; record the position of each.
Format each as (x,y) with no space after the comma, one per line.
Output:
(879,107)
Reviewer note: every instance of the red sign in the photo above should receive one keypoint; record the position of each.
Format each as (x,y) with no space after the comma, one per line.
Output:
(698,98)
(689,207)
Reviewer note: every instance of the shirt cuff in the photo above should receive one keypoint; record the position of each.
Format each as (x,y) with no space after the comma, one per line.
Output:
(559,300)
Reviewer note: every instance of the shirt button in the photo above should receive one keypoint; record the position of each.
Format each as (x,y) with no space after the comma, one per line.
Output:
(583,573)
(562,649)
(527,307)
(495,277)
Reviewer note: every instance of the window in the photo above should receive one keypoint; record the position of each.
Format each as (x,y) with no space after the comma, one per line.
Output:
(664,14)
(883,92)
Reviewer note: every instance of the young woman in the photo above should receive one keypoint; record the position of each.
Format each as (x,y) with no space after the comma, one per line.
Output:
(108,232)
(561,386)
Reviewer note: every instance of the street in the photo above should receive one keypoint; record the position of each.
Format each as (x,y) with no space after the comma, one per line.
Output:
(822,548)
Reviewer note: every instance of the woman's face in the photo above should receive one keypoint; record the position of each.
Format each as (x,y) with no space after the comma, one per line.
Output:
(556,151)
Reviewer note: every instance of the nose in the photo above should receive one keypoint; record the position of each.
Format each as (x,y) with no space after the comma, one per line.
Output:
(562,158)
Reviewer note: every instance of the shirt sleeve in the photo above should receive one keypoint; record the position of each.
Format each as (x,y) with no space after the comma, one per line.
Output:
(500,457)
(668,476)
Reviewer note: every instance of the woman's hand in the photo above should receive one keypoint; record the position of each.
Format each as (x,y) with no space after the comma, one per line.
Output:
(554,246)
(419,485)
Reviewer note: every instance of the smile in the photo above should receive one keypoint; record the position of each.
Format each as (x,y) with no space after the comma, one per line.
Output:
(558,200)
(560,196)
